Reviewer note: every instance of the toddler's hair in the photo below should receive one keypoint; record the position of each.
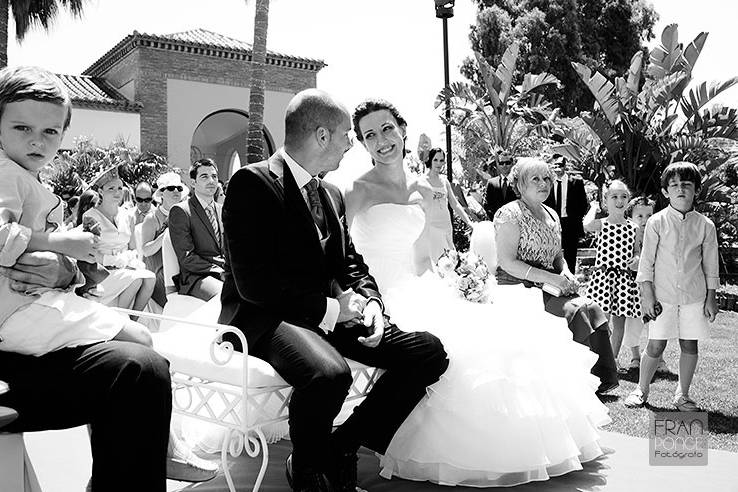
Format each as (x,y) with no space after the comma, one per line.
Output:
(639,201)
(33,83)
(686,171)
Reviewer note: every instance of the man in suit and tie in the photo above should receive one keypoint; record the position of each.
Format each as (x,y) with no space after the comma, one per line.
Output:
(569,199)
(197,235)
(304,298)
(499,192)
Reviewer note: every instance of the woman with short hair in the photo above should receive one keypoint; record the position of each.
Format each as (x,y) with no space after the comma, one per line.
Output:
(528,240)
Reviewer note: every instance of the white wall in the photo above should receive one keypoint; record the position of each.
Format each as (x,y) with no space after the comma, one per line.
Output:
(188,103)
(103,127)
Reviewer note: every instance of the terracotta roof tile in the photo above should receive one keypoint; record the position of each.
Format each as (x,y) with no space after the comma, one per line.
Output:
(215,40)
(95,92)
(201,39)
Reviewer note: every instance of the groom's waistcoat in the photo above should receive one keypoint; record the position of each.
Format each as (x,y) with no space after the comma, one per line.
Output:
(277,268)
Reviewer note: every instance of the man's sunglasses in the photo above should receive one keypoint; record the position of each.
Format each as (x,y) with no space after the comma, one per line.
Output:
(172,188)
(143,200)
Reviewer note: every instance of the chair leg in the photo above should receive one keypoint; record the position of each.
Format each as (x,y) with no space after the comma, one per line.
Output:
(12,466)
(29,475)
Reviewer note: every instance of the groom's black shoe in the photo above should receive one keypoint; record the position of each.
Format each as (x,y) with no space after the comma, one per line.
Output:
(306,480)
(342,472)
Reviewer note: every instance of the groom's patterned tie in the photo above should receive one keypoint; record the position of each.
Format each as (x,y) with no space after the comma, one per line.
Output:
(316,208)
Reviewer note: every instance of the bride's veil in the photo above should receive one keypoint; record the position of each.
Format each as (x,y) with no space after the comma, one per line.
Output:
(482,243)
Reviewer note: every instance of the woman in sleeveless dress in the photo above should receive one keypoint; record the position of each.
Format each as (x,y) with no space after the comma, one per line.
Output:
(438,233)
(129,284)
(517,402)
(529,252)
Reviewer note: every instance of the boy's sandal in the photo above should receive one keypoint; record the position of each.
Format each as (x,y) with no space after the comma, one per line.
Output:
(685,404)
(635,399)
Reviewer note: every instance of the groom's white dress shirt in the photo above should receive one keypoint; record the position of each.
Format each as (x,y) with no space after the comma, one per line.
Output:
(302,178)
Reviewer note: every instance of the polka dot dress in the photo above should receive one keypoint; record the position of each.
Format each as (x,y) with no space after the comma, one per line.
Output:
(612,285)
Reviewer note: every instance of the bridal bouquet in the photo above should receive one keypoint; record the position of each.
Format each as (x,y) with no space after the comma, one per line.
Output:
(467,273)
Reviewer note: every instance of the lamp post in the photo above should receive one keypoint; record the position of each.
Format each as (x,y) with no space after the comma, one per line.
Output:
(444,11)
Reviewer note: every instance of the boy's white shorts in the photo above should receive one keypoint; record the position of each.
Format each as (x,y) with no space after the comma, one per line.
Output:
(687,322)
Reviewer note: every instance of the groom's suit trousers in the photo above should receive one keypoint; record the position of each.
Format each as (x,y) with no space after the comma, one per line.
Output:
(122,389)
(313,363)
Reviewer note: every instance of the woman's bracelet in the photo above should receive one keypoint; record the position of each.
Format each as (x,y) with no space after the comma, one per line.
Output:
(527,272)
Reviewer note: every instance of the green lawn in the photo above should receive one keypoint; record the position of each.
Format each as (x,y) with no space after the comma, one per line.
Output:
(714,388)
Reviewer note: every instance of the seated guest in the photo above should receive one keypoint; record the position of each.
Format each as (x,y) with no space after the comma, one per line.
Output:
(63,377)
(129,284)
(528,236)
(197,235)
(170,191)
(121,389)
(143,196)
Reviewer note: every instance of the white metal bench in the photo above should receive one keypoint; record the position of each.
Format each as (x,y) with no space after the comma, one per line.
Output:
(211,381)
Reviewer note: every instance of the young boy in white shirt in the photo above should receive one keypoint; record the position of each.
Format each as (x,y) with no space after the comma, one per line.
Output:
(678,270)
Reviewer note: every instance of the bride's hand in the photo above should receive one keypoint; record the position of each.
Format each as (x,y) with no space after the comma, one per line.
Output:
(374,321)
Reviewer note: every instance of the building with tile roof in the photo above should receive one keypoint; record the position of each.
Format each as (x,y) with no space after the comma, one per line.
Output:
(183,95)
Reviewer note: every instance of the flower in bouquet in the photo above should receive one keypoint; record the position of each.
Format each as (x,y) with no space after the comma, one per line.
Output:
(467,273)
(447,262)
(127,259)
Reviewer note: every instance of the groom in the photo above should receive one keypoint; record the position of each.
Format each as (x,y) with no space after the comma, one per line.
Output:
(305,300)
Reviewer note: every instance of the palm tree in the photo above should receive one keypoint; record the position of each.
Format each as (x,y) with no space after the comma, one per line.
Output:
(255,151)
(28,13)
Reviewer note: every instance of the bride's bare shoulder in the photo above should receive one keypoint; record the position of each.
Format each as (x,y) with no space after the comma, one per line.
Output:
(358,195)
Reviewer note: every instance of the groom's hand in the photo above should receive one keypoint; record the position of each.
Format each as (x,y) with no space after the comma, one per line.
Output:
(374,321)
(350,306)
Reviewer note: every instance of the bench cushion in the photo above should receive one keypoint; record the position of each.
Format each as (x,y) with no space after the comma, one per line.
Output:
(188,349)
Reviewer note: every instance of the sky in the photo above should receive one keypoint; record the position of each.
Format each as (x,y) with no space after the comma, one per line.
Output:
(387,48)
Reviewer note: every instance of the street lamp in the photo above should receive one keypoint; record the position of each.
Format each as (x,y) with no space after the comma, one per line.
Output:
(444,11)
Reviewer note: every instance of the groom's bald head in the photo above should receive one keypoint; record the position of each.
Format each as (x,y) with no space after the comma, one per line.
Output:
(309,110)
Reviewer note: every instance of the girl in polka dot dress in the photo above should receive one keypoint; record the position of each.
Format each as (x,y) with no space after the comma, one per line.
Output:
(612,284)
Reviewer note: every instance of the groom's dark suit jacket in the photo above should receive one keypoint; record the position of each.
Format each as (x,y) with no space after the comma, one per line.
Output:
(276,269)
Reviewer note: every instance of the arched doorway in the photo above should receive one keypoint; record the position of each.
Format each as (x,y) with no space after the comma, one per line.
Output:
(221,136)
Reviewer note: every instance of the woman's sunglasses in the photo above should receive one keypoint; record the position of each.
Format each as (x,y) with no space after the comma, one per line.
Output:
(143,200)
(172,188)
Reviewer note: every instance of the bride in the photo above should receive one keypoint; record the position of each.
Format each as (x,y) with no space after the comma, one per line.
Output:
(517,403)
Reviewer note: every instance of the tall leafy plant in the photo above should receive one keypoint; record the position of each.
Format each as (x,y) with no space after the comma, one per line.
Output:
(497,112)
(636,129)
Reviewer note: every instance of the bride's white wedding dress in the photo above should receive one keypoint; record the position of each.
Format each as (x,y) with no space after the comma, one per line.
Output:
(517,402)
